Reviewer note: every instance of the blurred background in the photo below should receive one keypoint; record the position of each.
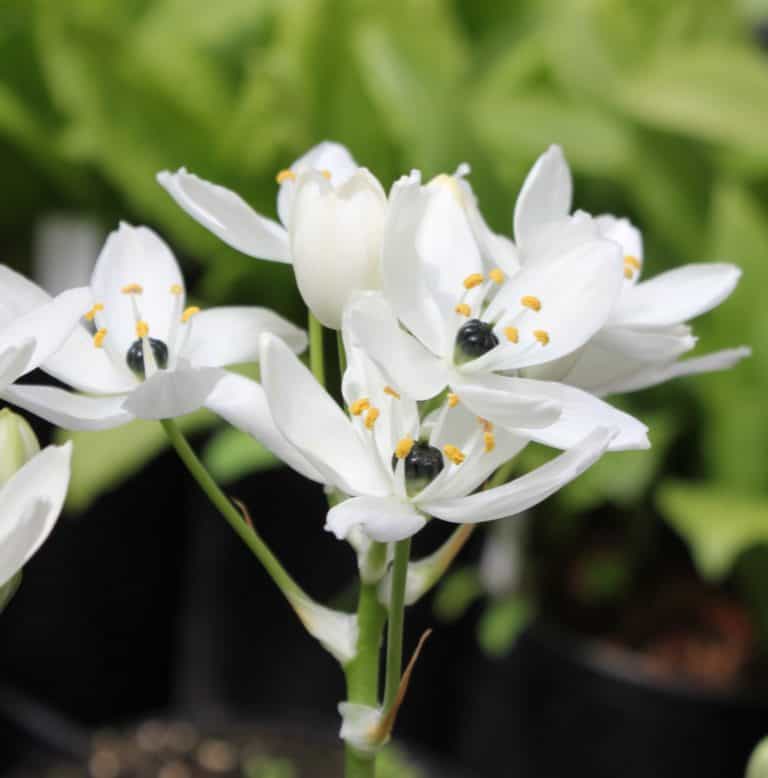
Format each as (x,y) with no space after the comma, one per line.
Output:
(624,625)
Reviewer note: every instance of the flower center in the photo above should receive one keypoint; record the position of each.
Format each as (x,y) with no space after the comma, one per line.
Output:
(135,356)
(423,463)
(474,339)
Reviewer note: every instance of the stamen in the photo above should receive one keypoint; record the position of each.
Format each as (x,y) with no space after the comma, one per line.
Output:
(98,338)
(496,275)
(487,425)
(529,301)
(132,289)
(463,309)
(512,334)
(490,442)
(189,313)
(634,262)
(142,328)
(542,336)
(176,289)
(370,417)
(403,447)
(91,315)
(285,175)
(455,454)
(392,392)
(326,174)
(453,400)
(358,406)
(628,272)
(471,281)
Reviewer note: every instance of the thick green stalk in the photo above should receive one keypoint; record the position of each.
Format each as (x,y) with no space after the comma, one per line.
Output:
(396,618)
(222,503)
(316,356)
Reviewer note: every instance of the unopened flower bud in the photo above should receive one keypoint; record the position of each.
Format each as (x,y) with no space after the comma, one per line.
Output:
(18,443)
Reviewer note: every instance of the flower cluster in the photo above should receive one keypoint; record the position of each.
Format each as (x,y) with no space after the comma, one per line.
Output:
(462,345)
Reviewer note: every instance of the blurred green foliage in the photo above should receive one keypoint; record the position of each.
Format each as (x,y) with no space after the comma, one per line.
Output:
(662,109)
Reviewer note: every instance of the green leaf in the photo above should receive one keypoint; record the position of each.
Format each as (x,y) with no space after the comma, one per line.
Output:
(8,589)
(502,622)
(716,524)
(232,454)
(457,591)
(102,460)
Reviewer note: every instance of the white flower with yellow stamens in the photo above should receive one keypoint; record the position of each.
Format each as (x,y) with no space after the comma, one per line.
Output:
(444,320)
(641,341)
(331,213)
(398,470)
(149,355)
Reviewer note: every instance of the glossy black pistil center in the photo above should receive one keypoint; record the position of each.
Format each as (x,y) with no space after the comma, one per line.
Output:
(135,356)
(474,339)
(422,465)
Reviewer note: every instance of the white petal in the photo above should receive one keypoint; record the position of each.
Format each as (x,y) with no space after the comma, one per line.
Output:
(14,357)
(171,393)
(48,325)
(243,404)
(230,335)
(18,295)
(369,322)
(651,375)
(135,255)
(386,519)
(623,232)
(227,216)
(524,492)
(676,296)
(68,410)
(545,195)
(31,501)
(507,401)
(333,158)
(577,291)
(336,240)
(582,412)
(336,631)
(310,419)
(644,345)
(404,275)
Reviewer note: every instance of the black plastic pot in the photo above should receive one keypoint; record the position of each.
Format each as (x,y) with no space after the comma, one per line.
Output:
(559,706)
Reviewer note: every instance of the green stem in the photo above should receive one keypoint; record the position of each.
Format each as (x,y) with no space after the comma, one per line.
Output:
(316,360)
(234,518)
(396,618)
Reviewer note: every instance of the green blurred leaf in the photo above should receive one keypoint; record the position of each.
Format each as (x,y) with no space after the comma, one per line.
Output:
(717,525)
(502,622)
(456,592)
(8,589)
(231,454)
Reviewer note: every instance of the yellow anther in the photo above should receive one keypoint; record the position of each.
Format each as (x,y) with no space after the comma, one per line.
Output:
(98,338)
(512,334)
(463,309)
(189,313)
(471,281)
(453,400)
(529,301)
(628,272)
(132,289)
(392,392)
(358,406)
(631,261)
(496,275)
(326,174)
(403,447)
(455,454)
(542,336)
(285,175)
(91,315)
(370,417)
(142,329)
(487,425)
(490,442)
(176,289)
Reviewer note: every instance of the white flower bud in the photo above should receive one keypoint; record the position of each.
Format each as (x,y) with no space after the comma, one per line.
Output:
(18,443)
(335,235)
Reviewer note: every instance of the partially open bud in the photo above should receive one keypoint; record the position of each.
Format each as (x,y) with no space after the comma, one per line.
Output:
(18,443)
(758,762)
(335,235)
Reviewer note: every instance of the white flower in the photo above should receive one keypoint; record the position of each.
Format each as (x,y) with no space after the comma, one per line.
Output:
(33,485)
(400,471)
(331,213)
(471,329)
(640,342)
(150,356)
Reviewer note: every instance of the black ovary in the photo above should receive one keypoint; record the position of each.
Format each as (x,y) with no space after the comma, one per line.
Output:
(135,356)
